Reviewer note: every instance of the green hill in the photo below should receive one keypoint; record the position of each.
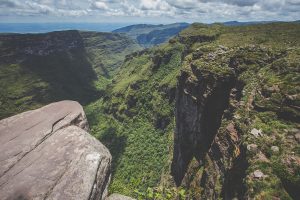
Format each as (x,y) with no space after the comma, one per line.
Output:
(214,85)
(36,69)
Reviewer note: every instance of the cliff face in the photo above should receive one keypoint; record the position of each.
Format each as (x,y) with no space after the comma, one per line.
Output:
(236,123)
(41,44)
(200,104)
(37,69)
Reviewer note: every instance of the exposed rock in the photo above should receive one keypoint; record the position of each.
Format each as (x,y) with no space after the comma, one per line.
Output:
(237,116)
(258,174)
(233,132)
(275,149)
(199,107)
(297,137)
(262,158)
(211,56)
(119,197)
(256,133)
(252,148)
(292,97)
(43,44)
(47,154)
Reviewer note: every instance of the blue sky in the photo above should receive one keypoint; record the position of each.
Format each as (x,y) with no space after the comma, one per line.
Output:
(148,11)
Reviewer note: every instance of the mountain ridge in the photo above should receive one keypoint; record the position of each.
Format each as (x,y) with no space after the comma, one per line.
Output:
(148,35)
(37,69)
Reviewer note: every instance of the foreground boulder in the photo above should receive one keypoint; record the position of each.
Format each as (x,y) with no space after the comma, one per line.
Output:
(48,154)
(119,197)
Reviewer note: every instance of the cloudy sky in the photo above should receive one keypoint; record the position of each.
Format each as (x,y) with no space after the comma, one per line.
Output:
(154,11)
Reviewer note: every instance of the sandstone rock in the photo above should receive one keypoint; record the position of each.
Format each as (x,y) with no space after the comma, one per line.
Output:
(262,158)
(47,154)
(258,174)
(297,137)
(237,116)
(256,133)
(252,148)
(119,197)
(233,132)
(275,149)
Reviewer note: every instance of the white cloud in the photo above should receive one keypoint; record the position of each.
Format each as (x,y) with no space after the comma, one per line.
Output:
(154,5)
(177,10)
(100,5)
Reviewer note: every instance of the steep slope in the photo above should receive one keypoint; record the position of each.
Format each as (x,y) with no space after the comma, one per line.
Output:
(234,107)
(237,115)
(135,119)
(148,35)
(36,69)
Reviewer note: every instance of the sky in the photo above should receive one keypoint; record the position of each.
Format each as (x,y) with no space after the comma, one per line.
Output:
(148,11)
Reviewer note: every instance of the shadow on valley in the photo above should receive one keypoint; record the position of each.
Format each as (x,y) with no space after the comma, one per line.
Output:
(67,71)
(116,145)
(43,68)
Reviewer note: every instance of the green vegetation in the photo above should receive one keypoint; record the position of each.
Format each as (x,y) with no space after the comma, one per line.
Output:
(135,120)
(133,113)
(137,115)
(38,69)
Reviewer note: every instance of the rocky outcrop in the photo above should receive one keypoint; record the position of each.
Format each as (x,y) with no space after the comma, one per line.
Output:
(48,154)
(119,197)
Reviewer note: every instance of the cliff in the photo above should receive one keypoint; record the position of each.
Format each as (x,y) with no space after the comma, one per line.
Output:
(37,69)
(237,121)
(212,114)
(48,154)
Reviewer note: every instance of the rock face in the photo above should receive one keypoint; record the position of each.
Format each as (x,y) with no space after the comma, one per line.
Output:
(200,104)
(119,197)
(47,154)
(225,127)
(42,44)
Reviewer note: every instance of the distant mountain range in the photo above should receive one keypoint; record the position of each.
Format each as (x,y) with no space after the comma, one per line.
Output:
(148,35)
(49,27)
(237,23)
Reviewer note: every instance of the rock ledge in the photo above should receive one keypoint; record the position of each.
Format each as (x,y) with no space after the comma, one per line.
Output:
(48,154)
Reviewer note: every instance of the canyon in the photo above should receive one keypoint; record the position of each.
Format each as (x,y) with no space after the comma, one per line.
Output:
(211,114)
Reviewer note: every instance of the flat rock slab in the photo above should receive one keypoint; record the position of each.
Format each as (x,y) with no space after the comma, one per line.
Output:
(48,154)
(119,197)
